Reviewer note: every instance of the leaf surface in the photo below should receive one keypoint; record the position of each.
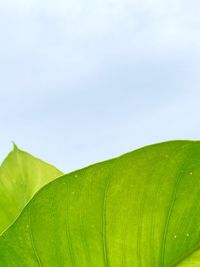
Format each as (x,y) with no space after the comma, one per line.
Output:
(138,210)
(21,176)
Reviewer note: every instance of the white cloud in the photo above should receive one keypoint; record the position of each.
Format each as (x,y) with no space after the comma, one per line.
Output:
(89,73)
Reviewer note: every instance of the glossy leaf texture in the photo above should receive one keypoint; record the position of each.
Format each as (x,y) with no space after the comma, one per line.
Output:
(138,210)
(21,176)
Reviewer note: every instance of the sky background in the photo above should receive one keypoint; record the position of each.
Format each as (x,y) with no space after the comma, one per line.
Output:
(82,81)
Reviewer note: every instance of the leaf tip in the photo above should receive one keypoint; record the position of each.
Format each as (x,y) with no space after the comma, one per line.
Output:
(15,147)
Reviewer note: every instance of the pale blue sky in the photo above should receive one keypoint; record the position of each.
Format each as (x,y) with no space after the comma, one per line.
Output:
(82,81)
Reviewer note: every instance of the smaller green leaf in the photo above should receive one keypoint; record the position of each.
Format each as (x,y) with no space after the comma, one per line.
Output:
(191,260)
(21,176)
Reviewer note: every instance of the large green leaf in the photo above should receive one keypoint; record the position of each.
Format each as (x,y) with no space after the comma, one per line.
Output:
(139,210)
(21,176)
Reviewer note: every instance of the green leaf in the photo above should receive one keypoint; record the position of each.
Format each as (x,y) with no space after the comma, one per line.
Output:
(21,176)
(139,210)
